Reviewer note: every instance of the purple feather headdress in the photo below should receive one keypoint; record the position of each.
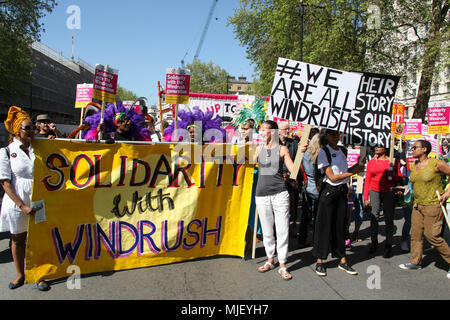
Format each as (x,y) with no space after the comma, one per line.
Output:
(137,128)
(197,116)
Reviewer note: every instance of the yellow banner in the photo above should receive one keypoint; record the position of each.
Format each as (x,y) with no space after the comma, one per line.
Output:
(123,206)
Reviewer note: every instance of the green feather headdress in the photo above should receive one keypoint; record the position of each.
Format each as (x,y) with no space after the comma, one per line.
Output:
(256,111)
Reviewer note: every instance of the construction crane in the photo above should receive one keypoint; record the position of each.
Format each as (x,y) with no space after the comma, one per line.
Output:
(205,29)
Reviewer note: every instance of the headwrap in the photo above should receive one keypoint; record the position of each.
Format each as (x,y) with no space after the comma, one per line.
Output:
(13,122)
(119,116)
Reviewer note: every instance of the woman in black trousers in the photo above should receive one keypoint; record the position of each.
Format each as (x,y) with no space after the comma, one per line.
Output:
(330,225)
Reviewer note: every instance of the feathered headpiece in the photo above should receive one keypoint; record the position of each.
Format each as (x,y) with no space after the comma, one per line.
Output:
(187,119)
(137,128)
(256,111)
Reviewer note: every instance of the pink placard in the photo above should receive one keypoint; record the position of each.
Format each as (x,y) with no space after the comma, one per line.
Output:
(413,128)
(352,157)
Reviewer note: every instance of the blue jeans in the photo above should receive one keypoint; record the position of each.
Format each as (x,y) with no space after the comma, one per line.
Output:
(357,204)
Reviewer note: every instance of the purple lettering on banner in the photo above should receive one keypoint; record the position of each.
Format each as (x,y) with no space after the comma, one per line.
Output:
(216,232)
(88,249)
(191,233)
(164,236)
(108,242)
(132,229)
(147,237)
(69,250)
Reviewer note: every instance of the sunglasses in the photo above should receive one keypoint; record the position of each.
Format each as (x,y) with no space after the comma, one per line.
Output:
(28,128)
(415,147)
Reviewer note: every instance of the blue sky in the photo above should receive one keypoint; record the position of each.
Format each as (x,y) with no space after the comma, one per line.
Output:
(143,38)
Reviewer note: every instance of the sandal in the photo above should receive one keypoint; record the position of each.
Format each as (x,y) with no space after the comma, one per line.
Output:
(285,274)
(267,267)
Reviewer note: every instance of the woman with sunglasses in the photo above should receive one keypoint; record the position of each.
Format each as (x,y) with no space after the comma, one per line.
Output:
(379,186)
(16,178)
(427,215)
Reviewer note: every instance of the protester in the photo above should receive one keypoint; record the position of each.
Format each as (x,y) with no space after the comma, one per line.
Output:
(311,192)
(46,127)
(119,123)
(245,133)
(380,181)
(150,124)
(272,197)
(332,210)
(16,178)
(122,122)
(427,215)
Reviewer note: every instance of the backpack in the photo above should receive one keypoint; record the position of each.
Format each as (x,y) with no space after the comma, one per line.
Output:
(319,176)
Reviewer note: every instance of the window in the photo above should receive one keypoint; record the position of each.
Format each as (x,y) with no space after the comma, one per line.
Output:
(239,88)
(436,89)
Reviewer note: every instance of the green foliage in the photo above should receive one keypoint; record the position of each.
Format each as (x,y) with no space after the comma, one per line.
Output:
(19,27)
(123,94)
(207,78)
(343,34)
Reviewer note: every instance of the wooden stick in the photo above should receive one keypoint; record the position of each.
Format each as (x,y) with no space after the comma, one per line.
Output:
(299,155)
(81,122)
(255,231)
(444,211)
(391,150)
(160,111)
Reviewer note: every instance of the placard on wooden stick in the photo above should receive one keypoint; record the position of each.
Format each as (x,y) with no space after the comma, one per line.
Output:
(299,155)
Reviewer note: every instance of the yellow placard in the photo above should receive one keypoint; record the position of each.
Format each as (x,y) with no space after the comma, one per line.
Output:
(177,99)
(123,206)
(438,129)
(104,96)
(81,104)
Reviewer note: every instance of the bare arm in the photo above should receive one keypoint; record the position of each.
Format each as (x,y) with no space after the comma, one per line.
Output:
(444,168)
(11,192)
(284,153)
(336,177)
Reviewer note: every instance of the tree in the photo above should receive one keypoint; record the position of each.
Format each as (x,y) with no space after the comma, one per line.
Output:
(270,29)
(123,94)
(207,78)
(352,35)
(19,27)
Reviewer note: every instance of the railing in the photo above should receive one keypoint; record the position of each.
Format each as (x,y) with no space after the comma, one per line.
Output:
(55,56)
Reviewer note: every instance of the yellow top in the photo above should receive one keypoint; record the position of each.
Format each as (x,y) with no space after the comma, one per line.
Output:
(426,182)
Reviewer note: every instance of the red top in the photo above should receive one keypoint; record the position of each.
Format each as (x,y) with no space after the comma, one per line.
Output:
(377,176)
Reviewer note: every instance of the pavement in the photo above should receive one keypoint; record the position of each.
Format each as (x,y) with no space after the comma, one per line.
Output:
(227,278)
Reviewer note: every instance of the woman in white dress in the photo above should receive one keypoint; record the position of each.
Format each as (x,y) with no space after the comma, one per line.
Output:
(16,178)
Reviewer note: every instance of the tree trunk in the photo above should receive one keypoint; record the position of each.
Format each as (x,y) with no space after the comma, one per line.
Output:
(432,47)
